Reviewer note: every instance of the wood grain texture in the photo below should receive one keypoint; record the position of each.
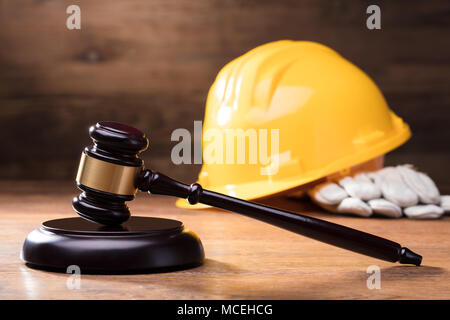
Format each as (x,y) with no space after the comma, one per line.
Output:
(150,64)
(246,259)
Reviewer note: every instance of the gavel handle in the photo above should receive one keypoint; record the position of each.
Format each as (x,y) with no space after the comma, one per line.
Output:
(331,233)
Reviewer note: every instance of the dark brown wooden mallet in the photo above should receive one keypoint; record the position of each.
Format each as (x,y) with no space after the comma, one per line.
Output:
(111,172)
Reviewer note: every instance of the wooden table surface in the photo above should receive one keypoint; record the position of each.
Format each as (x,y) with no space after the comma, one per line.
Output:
(246,259)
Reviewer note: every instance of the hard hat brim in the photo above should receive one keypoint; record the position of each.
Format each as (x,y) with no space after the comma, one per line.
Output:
(265,188)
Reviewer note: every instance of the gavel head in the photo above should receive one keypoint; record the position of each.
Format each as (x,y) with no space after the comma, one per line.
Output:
(108,173)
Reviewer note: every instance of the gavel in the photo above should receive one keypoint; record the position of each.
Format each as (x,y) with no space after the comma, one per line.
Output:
(110,174)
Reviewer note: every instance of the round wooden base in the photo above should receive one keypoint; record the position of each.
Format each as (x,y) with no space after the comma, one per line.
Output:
(142,244)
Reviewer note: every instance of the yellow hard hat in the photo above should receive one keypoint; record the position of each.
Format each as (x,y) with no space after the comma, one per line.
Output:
(327,114)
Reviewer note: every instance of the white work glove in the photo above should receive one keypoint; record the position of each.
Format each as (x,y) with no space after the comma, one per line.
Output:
(391,192)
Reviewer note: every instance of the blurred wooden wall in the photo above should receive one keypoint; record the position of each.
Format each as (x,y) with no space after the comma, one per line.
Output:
(150,63)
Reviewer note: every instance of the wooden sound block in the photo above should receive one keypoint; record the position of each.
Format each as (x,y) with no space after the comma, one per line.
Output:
(142,244)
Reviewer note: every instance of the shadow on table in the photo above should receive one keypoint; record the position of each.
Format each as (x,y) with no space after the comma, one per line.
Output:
(411,272)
